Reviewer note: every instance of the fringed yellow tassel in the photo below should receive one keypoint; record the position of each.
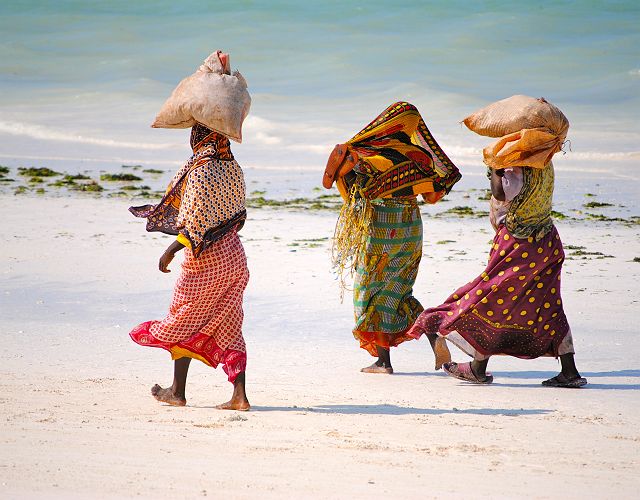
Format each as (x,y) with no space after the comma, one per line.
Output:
(350,236)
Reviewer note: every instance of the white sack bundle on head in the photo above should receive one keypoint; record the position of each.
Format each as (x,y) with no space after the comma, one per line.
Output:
(210,96)
(531,131)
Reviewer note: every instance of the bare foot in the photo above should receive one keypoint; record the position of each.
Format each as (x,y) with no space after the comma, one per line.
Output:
(166,396)
(240,404)
(374,368)
(441,352)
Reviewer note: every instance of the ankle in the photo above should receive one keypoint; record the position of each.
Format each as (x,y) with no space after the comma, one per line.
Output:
(479,369)
(570,374)
(177,393)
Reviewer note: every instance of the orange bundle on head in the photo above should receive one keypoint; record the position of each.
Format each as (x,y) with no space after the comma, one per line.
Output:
(530,131)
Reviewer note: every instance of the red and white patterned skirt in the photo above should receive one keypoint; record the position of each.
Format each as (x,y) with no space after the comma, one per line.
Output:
(205,316)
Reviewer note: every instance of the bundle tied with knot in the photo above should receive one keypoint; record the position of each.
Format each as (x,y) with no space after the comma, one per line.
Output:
(212,96)
(530,131)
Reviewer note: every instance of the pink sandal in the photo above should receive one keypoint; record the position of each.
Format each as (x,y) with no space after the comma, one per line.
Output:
(463,371)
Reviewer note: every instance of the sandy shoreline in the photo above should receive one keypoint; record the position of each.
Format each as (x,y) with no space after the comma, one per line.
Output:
(79,273)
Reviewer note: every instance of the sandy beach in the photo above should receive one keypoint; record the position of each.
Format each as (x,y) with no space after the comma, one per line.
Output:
(79,421)
(82,82)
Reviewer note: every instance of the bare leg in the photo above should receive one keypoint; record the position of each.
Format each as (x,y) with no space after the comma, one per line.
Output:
(479,368)
(568,365)
(569,375)
(440,349)
(383,365)
(239,399)
(174,395)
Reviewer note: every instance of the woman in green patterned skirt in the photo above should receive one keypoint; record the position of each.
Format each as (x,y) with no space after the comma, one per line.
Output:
(379,173)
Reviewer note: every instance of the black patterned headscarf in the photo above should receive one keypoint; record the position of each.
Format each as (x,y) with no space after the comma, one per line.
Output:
(202,137)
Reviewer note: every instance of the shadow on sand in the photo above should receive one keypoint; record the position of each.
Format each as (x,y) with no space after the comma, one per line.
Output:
(401,410)
(502,378)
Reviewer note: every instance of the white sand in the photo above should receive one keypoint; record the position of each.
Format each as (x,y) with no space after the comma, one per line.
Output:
(78,420)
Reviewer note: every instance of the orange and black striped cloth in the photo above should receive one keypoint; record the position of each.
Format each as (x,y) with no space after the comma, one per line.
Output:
(400,158)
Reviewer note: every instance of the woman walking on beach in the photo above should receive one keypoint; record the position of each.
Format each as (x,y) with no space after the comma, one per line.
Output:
(379,173)
(204,206)
(514,307)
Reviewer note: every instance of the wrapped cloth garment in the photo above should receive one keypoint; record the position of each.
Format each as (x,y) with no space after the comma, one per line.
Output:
(204,206)
(398,157)
(205,199)
(378,235)
(526,210)
(514,307)
(383,301)
(394,157)
(205,317)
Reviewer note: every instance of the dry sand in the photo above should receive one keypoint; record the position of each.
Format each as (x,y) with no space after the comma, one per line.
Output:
(78,420)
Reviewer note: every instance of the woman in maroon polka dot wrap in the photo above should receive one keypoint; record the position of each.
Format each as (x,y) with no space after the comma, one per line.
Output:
(514,307)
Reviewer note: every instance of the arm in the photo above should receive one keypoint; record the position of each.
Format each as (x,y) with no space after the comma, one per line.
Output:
(168,256)
(496,184)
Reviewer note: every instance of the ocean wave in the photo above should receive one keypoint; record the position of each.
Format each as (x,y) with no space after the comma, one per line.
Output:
(311,148)
(49,134)
(271,132)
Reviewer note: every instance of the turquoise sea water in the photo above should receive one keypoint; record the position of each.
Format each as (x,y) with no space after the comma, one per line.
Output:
(82,80)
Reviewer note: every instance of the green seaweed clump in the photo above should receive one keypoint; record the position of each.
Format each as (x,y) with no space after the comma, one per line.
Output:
(153,171)
(559,215)
(90,187)
(460,211)
(120,177)
(37,172)
(580,251)
(69,180)
(604,218)
(597,204)
(3,172)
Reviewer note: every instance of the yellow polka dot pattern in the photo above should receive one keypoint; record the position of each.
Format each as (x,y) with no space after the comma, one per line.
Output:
(512,307)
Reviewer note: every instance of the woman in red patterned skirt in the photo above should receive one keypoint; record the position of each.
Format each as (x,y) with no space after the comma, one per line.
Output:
(204,206)
(514,307)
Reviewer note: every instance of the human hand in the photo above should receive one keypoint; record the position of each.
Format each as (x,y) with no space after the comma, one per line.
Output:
(165,260)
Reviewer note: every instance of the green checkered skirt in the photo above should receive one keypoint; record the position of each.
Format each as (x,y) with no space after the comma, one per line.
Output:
(386,270)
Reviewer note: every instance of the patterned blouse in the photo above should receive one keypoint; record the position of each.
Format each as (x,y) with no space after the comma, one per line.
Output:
(205,199)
